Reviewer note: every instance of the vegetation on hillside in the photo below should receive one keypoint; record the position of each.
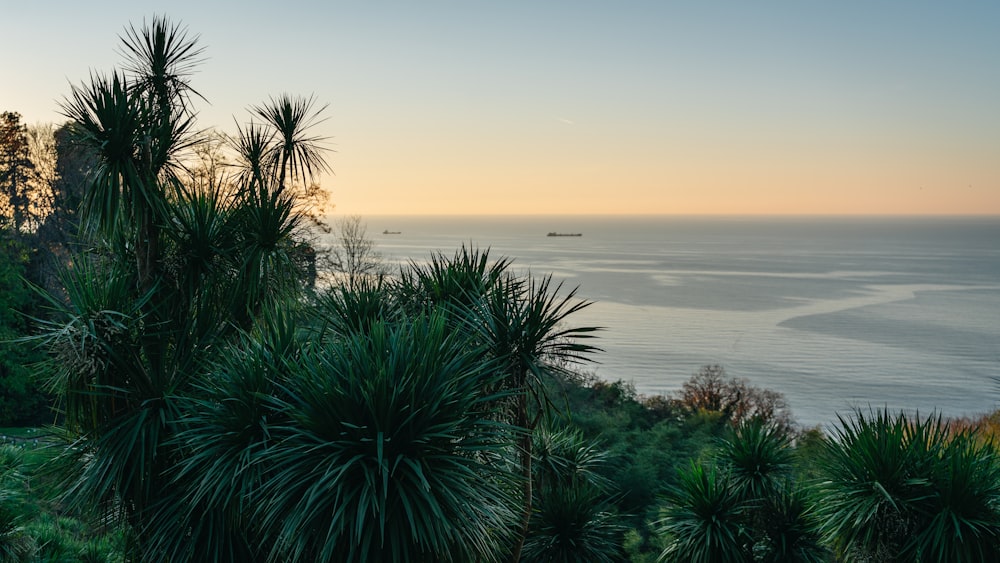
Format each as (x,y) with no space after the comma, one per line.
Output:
(215,404)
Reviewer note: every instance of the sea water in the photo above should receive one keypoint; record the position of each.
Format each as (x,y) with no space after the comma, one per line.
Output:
(835,313)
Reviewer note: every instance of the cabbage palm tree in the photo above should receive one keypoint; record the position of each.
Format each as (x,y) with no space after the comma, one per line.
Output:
(776,511)
(457,284)
(375,445)
(704,522)
(573,518)
(174,268)
(897,488)
(138,121)
(521,321)
(747,507)
(759,458)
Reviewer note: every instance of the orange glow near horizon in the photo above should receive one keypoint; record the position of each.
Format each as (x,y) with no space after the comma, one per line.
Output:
(565,108)
(755,183)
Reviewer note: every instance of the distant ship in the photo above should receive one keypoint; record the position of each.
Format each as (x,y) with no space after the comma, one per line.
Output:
(555,234)
(388,232)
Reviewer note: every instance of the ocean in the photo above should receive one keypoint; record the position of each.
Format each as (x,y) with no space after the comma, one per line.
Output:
(835,313)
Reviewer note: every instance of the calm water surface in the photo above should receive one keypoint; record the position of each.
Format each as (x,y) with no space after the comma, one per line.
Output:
(835,313)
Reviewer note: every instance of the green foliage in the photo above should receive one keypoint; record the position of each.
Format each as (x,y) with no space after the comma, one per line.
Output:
(216,410)
(787,528)
(373,446)
(705,521)
(573,518)
(748,507)
(33,529)
(909,489)
(21,400)
(519,320)
(15,544)
(573,524)
(354,309)
(169,274)
(565,459)
(758,457)
(456,284)
(291,153)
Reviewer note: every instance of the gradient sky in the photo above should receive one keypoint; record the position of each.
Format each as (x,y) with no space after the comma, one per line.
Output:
(526,107)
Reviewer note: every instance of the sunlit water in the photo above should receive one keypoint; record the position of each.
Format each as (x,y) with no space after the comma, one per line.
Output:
(834,313)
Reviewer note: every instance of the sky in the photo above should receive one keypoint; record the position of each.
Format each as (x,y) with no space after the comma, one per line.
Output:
(589,107)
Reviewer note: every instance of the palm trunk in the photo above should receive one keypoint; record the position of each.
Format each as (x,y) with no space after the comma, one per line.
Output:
(525,448)
(147,253)
(147,243)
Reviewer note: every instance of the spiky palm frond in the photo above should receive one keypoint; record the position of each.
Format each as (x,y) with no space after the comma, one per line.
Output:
(201,260)
(910,488)
(161,56)
(296,156)
(110,121)
(203,515)
(121,467)
(704,522)
(137,131)
(573,524)
(120,408)
(963,522)
(788,530)
(456,283)
(564,458)
(354,309)
(95,350)
(184,533)
(380,459)
(876,478)
(759,458)
(572,518)
(252,144)
(522,323)
(269,273)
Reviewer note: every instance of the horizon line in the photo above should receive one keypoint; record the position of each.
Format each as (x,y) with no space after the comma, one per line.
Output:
(693,215)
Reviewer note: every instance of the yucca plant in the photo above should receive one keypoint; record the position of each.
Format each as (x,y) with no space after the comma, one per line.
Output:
(776,514)
(126,367)
(876,481)
(564,458)
(521,321)
(292,153)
